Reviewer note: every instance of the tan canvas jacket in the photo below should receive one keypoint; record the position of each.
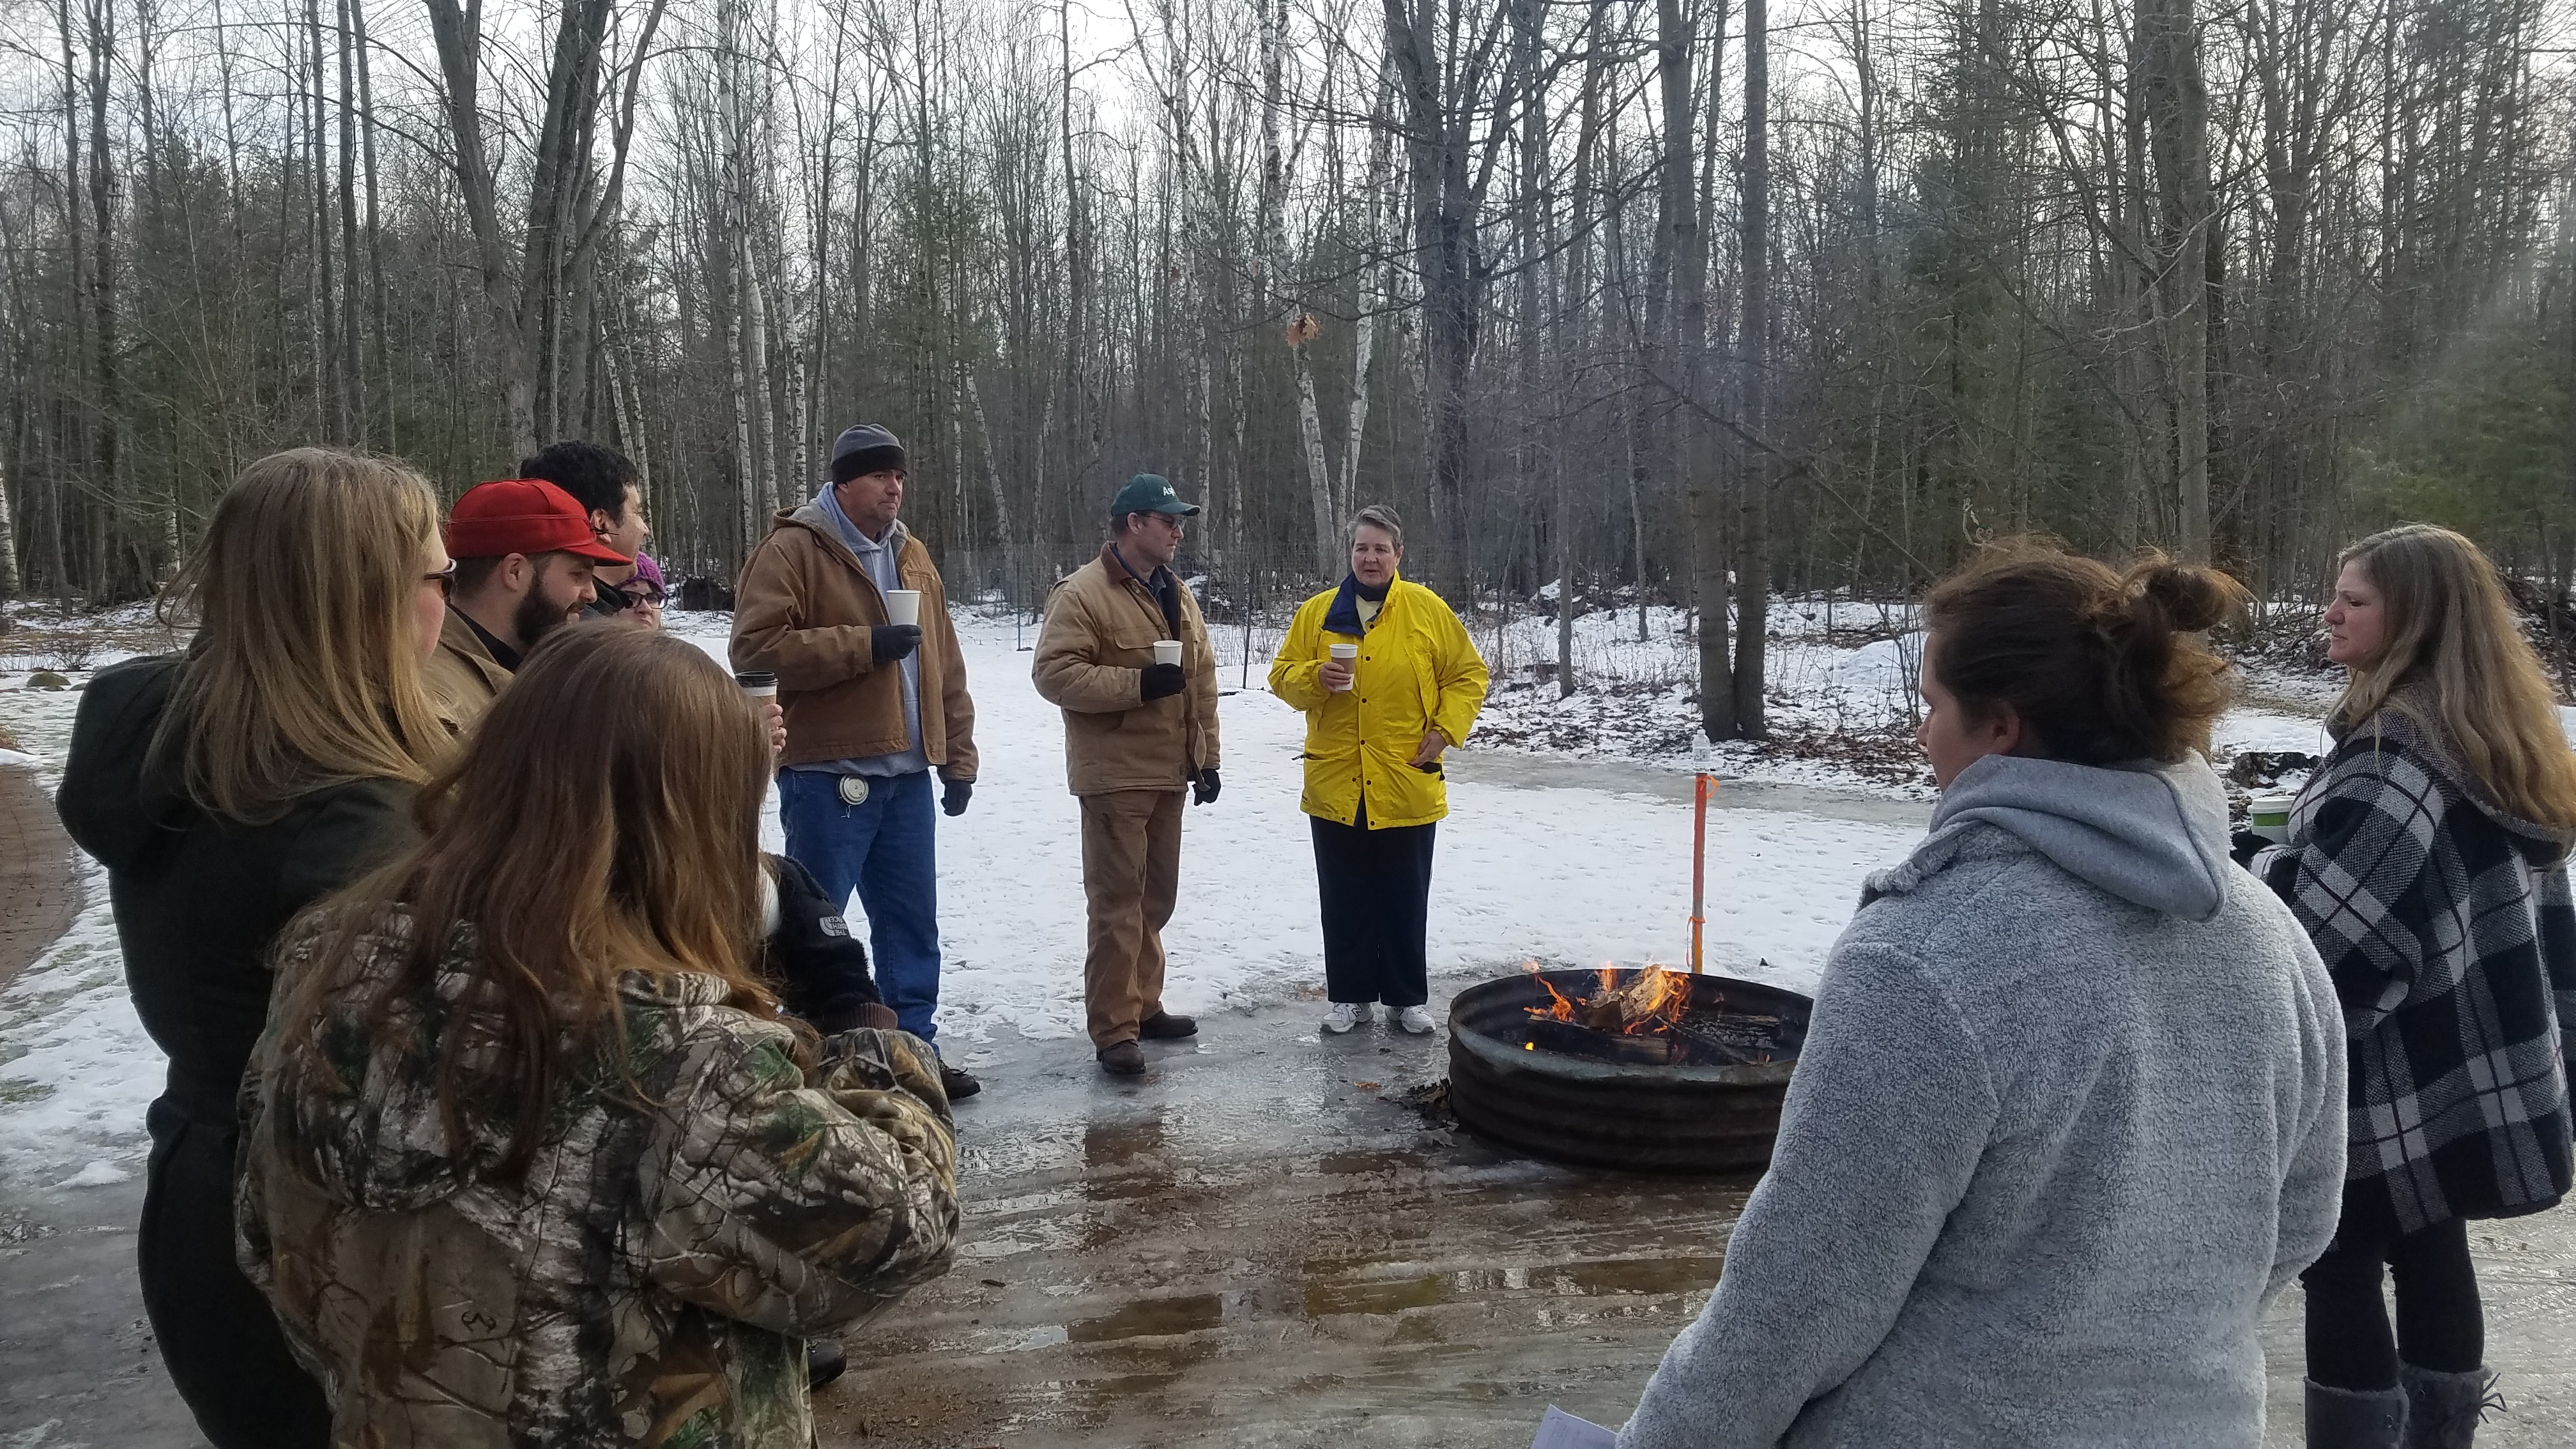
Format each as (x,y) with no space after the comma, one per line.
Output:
(1099,635)
(802,611)
(461,676)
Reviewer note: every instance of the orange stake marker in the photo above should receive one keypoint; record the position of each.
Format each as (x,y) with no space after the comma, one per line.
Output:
(1701,788)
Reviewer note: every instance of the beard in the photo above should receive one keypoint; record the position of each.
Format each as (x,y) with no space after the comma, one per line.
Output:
(536,617)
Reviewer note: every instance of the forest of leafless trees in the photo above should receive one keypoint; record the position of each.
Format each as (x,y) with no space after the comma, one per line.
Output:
(1673,300)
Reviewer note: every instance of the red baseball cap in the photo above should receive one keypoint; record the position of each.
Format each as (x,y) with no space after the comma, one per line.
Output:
(523,515)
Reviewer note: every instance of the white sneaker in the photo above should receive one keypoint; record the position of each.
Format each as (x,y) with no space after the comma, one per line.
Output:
(1415,1020)
(1346,1015)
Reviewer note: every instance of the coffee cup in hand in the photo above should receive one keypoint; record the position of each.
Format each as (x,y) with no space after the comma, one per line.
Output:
(2269,816)
(1167,651)
(903,606)
(758,684)
(1342,655)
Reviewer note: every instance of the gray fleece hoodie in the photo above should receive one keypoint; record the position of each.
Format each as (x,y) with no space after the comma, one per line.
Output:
(2070,1114)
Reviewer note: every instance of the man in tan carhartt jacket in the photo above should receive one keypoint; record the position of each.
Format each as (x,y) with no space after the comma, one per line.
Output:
(873,708)
(1136,735)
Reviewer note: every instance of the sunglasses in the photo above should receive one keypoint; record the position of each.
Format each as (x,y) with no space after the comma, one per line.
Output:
(445,579)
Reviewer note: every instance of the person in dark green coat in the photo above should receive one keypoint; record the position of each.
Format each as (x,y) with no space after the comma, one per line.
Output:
(225,788)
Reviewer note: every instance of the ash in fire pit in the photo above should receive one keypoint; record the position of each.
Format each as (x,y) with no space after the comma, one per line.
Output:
(1649,1070)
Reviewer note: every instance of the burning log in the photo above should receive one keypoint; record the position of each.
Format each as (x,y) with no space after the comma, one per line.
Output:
(1649,1000)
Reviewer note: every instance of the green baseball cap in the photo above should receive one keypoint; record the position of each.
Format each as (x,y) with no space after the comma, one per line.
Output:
(1150,493)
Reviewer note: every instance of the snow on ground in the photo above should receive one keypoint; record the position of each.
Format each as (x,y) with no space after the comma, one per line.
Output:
(75,1067)
(1571,876)
(1841,682)
(1562,875)
(1565,876)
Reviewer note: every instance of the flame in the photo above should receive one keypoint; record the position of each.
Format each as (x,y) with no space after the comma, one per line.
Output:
(1558,1007)
(1655,1000)
(1649,1000)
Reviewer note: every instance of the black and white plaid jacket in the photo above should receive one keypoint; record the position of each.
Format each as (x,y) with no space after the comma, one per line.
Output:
(2448,928)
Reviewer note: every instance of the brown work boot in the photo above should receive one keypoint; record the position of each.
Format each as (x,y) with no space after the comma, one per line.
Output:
(1163,1026)
(1122,1059)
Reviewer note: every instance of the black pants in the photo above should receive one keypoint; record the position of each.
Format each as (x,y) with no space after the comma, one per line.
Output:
(2439,1324)
(1376,890)
(222,1345)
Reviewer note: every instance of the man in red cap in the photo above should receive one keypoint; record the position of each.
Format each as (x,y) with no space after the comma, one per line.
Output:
(524,552)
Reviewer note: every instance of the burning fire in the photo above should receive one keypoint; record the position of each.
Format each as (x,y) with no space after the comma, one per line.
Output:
(1648,1000)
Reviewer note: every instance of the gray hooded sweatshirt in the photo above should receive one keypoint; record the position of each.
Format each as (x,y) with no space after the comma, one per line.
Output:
(2070,1114)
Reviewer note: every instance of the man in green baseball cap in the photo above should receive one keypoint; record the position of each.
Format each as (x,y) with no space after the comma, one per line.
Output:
(1125,654)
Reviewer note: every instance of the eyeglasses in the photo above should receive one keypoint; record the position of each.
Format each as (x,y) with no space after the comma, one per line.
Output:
(445,579)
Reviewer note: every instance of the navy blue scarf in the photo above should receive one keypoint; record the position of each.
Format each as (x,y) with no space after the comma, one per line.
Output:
(1344,616)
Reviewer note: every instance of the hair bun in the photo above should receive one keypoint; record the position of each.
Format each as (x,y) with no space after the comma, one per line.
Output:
(2184,597)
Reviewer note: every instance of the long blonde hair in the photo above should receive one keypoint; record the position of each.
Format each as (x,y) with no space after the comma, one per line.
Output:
(305,671)
(2451,632)
(603,818)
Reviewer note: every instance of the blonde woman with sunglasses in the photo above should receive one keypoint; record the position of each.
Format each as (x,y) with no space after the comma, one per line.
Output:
(225,788)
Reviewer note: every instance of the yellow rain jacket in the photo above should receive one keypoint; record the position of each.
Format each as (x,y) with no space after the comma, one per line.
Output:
(1416,672)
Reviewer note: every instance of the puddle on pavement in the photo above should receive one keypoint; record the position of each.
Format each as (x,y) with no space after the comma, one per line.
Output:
(1345,1164)
(1633,1275)
(1126,1160)
(1119,1144)
(1588,1279)
(1151,1318)
(1326,1299)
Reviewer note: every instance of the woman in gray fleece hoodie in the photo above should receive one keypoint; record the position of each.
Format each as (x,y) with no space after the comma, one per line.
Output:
(2070,1113)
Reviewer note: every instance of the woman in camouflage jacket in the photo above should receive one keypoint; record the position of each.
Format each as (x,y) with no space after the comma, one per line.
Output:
(557,1172)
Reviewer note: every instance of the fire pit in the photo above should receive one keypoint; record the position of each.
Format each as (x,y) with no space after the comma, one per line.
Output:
(1648,1070)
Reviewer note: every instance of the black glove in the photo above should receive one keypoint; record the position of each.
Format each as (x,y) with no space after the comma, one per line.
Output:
(1162,679)
(820,969)
(2244,845)
(1203,789)
(890,642)
(953,799)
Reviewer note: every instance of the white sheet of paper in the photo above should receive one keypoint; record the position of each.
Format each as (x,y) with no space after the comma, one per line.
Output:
(1561,1430)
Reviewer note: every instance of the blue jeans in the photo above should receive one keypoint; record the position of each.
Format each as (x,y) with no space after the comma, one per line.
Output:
(886,847)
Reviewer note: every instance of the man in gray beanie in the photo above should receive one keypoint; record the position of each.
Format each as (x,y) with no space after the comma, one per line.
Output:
(874,705)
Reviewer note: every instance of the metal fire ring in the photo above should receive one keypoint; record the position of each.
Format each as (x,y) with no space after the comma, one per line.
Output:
(1509,1081)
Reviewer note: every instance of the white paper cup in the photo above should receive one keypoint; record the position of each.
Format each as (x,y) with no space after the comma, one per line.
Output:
(2269,816)
(1167,651)
(1342,654)
(758,686)
(903,606)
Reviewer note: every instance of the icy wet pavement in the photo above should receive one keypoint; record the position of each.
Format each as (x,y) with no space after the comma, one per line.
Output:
(1258,1244)
(1245,1247)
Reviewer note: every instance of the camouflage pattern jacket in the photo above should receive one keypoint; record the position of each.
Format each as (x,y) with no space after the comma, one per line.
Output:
(648,1281)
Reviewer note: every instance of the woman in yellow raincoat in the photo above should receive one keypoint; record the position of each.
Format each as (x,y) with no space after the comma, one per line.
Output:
(1406,687)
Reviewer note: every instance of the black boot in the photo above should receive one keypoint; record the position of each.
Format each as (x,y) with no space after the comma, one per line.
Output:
(2443,1410)
(1163,1026)
(2343,1419)
(823,1362)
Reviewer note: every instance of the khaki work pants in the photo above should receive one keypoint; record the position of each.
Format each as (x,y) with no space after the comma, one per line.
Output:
(1131,874)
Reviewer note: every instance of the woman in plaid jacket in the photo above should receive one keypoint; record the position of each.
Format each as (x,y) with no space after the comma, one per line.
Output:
(2426,861)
